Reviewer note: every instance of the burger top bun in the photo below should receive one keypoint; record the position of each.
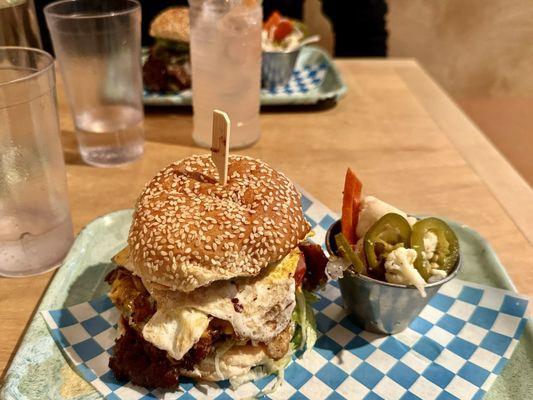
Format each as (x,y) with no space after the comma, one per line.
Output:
(189,231)
(171,24)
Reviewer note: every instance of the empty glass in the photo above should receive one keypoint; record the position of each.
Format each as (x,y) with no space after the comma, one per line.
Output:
(35,225)
(98,46)
(18,24)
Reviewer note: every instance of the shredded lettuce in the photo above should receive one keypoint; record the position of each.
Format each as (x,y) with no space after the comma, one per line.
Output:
(305,335)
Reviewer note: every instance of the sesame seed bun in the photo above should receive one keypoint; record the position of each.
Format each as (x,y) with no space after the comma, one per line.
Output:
(171,24)
(189,231)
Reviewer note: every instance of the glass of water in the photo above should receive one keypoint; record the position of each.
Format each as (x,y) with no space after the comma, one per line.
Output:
(98,46)
(35,225)
(226,67)
(18,24)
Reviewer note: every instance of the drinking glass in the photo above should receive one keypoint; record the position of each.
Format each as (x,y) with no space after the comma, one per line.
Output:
(226,67)
(18,24)
(98,47)
(35,225)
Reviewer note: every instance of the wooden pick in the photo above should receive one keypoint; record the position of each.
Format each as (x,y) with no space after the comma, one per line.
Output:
(220,144)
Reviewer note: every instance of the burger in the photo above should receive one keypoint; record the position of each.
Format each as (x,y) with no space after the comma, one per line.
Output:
(168,66)
(216,280)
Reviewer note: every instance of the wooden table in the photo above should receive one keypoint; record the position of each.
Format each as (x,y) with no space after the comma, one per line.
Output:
(407,141)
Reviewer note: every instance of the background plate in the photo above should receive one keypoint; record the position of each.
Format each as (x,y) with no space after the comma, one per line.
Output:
(39,370)
(332,87)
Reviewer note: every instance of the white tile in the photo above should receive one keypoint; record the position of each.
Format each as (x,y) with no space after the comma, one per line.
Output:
(381,361)
(130,392)
(452,288)
(346,361)
(485,359)
(352,389)
(461,388)
(415,361)
(440,335)
(488,382)
(373,338)
(101,387)
(408,337)
(49,320)
(335,312)
(388,389)
(506,324)
(450,361)
(508,353)
(330,292)
(82,311)
(284,391)
(245,391)
(431,314)
(472,333)
(75,334)
(312,361)
(341,335)
(99,364)
(492,300)
(461,310)
(112,315)
(314,388)
(205,390)
(425,389)
(106,339)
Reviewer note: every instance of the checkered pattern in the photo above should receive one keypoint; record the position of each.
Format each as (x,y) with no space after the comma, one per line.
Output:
(455,349)
(302,80)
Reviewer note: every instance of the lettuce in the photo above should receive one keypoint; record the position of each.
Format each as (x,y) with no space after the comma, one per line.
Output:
(305,334)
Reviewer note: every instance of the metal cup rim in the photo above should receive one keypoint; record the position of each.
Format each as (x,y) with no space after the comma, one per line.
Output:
(282,51)
(450,276)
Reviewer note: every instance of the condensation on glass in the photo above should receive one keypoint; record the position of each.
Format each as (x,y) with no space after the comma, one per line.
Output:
(35,224)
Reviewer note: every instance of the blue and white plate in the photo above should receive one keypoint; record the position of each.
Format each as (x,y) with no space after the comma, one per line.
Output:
(315,78)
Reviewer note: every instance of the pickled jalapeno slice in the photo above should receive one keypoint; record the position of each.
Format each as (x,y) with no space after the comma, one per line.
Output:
(446,252)
(387,234)
(348,253)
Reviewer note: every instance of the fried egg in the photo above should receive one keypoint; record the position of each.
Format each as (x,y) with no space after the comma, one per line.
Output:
(259,308)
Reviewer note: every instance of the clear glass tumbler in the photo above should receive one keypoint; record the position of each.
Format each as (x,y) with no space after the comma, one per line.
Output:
(226,67)
(18,24)
(98,46)
(35,225)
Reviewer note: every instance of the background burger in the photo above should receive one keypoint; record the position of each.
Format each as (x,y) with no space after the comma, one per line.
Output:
(168,66)
(215,281)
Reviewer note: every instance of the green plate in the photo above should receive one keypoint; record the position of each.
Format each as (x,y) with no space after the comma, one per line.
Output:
(39,370)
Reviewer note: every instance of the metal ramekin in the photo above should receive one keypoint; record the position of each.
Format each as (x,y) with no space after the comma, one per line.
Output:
(378,306)
(277,67)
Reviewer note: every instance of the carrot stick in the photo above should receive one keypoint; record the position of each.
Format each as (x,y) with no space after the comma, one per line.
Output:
(351,201)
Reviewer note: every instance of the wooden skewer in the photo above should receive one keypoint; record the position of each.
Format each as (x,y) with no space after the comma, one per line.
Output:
(220,144)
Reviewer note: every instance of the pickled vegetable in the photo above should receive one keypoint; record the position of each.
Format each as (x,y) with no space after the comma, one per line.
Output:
(388,233)
(349,254)
(446,252)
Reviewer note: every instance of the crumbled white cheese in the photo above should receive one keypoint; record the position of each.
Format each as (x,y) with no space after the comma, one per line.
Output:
(289,43)
(430,245)
(400,269)
(428,254)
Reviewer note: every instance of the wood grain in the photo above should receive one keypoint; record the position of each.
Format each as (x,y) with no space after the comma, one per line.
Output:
(394,128)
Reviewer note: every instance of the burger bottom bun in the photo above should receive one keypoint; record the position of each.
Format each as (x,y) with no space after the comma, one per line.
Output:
(236,361)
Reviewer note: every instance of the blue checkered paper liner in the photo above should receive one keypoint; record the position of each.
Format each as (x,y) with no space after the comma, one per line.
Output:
(303,80)
(455,349)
